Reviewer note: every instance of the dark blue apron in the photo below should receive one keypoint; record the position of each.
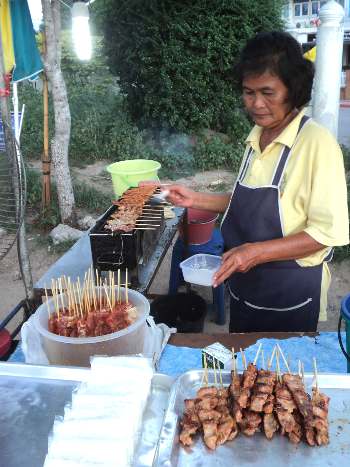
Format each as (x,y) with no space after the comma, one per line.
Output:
(276,296)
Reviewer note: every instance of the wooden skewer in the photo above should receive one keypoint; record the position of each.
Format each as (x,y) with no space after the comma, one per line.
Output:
(278,366)
(244,361)
(100,291)
(89,289)
(234,367)
(83,294)
(126,286)
(118,290)
(155,209)
(257,354)
(144,228)
(205,369)
(80,298)
(270,360)
(93,288)
(299,368)
(64,287)
(54,295)
(220,376)
(107,295)
(74,304)
(315,375)
(84,285)
(113,290)
(77,299)
(61,293)
(214,368)
(110,288)
(262,358)
(47,301)
(148,225)
(302,373)
(283,358)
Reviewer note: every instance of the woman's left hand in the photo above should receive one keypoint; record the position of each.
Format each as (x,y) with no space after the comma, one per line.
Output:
(239,259)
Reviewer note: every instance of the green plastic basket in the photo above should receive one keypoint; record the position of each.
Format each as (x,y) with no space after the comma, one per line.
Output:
(126,174)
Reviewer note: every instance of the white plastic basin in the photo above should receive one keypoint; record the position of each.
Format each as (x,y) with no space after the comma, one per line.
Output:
(199,269)
(77,351)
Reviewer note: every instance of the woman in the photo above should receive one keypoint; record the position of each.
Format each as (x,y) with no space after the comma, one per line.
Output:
(288,207)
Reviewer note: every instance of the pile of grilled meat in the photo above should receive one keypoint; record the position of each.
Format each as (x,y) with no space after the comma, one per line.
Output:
(258,400)
(130,209)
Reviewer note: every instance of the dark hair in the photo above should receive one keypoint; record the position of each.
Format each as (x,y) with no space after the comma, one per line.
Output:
(281,54)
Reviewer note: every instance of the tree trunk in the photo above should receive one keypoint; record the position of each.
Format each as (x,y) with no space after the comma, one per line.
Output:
(60,142)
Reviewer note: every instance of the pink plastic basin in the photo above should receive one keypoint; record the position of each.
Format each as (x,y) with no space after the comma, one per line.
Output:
(200,226)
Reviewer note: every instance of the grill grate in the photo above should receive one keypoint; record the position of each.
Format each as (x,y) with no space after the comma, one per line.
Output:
(12,193)
(118,250)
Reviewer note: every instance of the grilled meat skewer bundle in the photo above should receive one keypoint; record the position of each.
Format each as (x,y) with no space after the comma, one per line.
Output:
(254,401)
(130,209)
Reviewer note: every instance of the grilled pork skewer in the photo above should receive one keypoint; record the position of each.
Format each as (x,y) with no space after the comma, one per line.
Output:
(249,376)
(271,425)
(303,402)
(320,403)
(235,391)
(263,387)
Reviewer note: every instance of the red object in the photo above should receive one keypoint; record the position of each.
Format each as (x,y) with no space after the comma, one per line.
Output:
(200,226)
(5,92)
(5,342)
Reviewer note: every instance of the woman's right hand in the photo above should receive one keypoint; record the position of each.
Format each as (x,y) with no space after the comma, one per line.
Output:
(179,195)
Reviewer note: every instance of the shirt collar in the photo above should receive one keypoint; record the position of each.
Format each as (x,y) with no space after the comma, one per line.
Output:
(286,137)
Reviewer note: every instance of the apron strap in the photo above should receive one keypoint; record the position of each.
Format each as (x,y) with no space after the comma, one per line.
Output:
(245,164)
(285,155)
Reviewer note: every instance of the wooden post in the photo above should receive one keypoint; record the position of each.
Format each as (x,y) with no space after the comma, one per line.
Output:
(46,162)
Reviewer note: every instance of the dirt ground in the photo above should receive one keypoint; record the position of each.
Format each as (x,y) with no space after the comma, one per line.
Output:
(11,287)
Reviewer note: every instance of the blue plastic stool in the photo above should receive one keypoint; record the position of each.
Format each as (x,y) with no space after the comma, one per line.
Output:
(345,315)
(214,247)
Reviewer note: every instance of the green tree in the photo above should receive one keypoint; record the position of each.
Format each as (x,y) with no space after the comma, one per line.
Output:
(174,59)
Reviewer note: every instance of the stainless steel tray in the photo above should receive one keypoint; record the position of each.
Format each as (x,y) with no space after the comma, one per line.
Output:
(257,450)
(31,396)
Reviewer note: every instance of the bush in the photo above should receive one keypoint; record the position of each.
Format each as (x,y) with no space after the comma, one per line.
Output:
(101,126)
(86,198)
(215,153)
(174,59)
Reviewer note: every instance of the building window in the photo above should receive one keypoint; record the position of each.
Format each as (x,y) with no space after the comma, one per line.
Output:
(301,8)
(315,6)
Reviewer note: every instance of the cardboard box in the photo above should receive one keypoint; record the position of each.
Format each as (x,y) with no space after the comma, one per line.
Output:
(218,353)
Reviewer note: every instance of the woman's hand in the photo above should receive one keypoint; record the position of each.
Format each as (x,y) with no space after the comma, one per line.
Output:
(239,259)
(179,195)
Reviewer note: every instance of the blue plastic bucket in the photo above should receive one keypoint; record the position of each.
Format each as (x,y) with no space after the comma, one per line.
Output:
(345,315)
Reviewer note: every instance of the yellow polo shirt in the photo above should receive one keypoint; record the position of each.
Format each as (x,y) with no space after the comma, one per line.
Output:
(313,188)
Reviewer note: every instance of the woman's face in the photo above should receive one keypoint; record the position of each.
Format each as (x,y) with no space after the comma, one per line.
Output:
(266,99)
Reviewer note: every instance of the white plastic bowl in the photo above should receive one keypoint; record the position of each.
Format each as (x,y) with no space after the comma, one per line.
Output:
(200,269)
(77,351)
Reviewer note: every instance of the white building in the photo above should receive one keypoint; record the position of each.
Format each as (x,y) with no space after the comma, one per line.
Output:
(301,17)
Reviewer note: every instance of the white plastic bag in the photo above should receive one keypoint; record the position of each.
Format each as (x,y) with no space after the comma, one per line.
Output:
(31,344)
(158,336)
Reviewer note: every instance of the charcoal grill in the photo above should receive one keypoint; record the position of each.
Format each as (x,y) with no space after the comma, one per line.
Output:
(120,250)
